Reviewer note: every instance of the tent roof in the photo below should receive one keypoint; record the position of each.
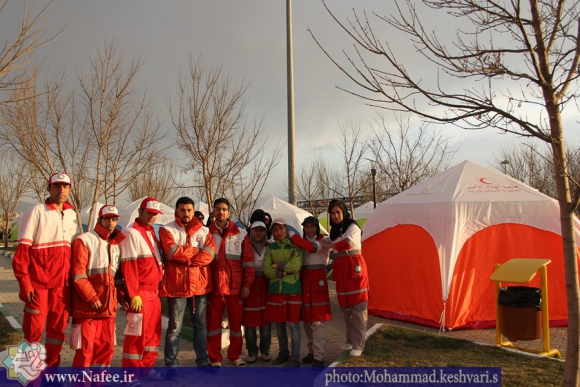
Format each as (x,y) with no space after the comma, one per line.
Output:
(455,204)
(130,212)
(279,208)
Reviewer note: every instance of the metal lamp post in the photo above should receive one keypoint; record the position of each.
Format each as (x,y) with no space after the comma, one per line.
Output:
(290,69)
(373,174)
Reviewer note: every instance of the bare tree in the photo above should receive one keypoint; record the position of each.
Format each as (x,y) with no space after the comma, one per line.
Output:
(529,164)
(352,149)
(518,67)
(13,184)
(406,156)
(227,151)
(104,141)
(160,181)
(17,51)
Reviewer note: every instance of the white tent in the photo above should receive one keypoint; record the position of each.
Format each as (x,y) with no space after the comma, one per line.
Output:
(85,213)
(129,213)
(204,208)
(435,245)
(279,208)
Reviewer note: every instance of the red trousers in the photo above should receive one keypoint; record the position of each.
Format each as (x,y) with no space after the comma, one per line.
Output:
(141,351)
(49,307)
(215,309)
(97,342)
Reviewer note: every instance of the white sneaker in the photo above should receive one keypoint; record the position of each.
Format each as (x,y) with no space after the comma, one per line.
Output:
(216,364)
(240,363)
(346,347)
(355,352)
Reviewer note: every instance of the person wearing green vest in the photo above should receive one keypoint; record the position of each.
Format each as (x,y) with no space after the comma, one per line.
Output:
(282,264)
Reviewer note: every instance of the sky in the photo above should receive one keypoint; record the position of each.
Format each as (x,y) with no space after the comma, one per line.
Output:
(249,39)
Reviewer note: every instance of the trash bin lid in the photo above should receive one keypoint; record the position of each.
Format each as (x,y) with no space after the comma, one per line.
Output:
(518,270)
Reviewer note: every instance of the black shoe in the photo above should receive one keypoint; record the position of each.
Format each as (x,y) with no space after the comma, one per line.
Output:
(208,364)
(308,359)
(281,359)
(317,363)
(292,363)
(171,374)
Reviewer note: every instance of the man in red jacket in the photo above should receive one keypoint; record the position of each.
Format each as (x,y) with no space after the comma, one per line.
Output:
(141,265)
(233,271)
(95,260)
(189,249)
(41,265)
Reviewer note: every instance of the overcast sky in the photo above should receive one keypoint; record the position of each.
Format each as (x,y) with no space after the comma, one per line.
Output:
(249,38)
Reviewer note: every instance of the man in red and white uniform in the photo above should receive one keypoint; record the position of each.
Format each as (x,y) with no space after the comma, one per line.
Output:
(42,265)
(141,266)
(189,249)
(233,271)
(95,261)
(315,296)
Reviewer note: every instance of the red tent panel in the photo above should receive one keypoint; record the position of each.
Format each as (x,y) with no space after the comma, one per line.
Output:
(403,267)
(471,301)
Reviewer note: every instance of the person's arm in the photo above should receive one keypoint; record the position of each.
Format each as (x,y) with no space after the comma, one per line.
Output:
(303,243)
(129,268)
(80,262)
(269,271)
(351,236)
(248,265)
(171,250)
(206,255)
(295,262)
(21,261)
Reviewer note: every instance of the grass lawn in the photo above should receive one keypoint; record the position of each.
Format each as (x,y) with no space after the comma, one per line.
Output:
(8,335)
(400,347)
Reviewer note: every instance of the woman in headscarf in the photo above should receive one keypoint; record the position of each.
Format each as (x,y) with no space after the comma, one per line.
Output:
(349,271)
(315,297)
(255,303)
(282,264)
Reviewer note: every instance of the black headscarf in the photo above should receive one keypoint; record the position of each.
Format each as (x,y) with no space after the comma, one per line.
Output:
(314,221)
(336,230)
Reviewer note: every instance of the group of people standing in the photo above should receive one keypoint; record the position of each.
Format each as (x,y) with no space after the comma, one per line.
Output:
(255,279)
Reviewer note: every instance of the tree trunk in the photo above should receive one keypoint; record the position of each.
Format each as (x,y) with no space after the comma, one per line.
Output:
(572,367)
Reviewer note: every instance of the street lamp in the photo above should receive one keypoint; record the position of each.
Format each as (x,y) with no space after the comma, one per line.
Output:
(373,174)
(504,164)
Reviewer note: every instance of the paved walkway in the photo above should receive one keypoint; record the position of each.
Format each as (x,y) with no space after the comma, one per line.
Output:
(334,330)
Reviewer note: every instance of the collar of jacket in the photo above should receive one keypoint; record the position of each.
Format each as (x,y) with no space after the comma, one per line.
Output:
(115,238)
(285,241)
(65,205)
(192,227)
(231,230)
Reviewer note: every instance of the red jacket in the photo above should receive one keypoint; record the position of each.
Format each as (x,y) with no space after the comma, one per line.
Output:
(42,258)
(188,255)
(349,269)
(95,260)
(140,261)
(233,266)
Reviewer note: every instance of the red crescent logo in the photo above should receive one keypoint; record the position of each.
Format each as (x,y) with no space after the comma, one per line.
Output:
(483,180)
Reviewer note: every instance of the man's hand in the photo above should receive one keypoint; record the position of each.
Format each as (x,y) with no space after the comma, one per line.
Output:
(97,304)
(26,293)
(136,303)
(245,292)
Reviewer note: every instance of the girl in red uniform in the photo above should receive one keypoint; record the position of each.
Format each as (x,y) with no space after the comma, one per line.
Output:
(349,271)
(255,303)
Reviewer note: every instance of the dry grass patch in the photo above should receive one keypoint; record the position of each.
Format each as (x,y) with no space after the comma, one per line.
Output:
(401,347)
(8,335)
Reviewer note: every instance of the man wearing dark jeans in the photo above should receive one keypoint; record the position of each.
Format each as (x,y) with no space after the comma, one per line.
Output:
(189,249)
